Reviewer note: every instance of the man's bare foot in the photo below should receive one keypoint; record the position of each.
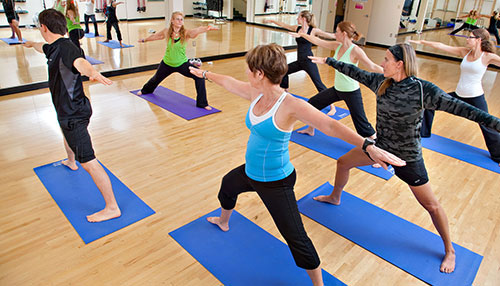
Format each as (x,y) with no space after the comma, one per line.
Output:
(448,264)
(309,131)
(208,107)
(106,41)
(105,214)
(139,92)
(216,220)
(122,45)
(71,165)
(327,199)
(12,37)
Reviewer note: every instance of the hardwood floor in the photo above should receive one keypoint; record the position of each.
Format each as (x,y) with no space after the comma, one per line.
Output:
(175,166)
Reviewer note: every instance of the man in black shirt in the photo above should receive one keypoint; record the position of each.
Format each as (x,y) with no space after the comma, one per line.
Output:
(9,6)
(72,106)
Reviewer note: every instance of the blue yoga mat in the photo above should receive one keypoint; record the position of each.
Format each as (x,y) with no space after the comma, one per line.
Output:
(114,44)
(334,148)
(77,196)
(461,151)
(93,61)
(402,243)
(92,35)
(246,255)
(339,111)
(14,41)
(176,103)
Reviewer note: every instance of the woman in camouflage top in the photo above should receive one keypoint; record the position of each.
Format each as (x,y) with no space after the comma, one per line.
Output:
(401,100)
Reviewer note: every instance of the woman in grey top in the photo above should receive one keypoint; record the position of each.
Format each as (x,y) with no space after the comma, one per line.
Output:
(401,100)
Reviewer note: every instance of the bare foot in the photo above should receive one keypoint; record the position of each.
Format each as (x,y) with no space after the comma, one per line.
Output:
(448,264)
(216,220)
(327,199)
(208,107)
(332,110)
(139,93)
(71,165)
(106,41)
(104,214)
(376,165)
(309,131)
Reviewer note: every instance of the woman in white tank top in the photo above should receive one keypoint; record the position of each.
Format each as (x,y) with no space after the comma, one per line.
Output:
(90,15)
(478,53)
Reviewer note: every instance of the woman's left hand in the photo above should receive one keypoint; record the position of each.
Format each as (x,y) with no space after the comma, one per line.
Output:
(317,60)
(295,35)
(382,157)
(211,28)
(197,72)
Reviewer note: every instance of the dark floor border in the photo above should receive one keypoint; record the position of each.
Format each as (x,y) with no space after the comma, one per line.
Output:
(99,21)
(112,73)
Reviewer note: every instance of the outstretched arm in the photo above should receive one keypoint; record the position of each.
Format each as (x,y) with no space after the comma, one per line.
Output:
(38,46)
(458,51)
(158,36)
(326,35)
(85,68)
(238,87)
(365,60)
(193,33)
(331,45)
(493,59)
(292,28)
(437,99)
(311,116)
(116,4)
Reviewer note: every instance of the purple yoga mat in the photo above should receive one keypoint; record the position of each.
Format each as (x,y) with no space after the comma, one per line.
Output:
(176,103)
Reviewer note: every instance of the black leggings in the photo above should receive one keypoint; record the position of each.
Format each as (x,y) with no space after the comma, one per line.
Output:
(464,26)
(354,102)
(165,70)
(117,29)
(280,201)
(75,36)
(87,18)
(491,137)
(310,68)
(494,32)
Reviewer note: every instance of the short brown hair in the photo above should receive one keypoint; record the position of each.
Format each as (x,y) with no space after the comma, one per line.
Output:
(54,20)
(269,59)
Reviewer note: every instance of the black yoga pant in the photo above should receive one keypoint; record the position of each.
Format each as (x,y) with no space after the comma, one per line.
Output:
(165,70)
(354,102)
(91,17)
(117,29)
(310,68)
(75,36)
(280,201)
(491,137)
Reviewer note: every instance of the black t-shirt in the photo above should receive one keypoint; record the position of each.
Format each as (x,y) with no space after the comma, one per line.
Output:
(9,6)
(65,82)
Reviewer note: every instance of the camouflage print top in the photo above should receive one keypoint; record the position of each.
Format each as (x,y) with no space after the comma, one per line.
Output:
(400,109)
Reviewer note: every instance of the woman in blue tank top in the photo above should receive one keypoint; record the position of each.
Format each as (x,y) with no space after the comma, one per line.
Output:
(305,25)
(268,170)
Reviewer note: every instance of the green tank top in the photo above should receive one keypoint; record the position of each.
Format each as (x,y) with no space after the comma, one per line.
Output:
(471,21)
(175,54)
(59,7)
(343,82)
(72,26)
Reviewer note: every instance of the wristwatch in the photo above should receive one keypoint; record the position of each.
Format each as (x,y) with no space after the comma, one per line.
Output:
(367,142)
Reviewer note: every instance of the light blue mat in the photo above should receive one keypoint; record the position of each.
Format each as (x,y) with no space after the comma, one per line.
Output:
(77,196)
(114,44)
(14,41)
(246,255)
(400,242)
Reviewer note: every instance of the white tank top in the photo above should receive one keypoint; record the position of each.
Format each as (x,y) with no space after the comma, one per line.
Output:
(471,74)
(89,8)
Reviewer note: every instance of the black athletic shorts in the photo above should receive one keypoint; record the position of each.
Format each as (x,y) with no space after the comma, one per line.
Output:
(78,138)
(413,173)
(11,15)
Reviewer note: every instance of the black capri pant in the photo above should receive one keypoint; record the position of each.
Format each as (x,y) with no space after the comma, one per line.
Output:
(165,70)
(491,137)
(354,102)
(310,68)
(75,36)
(280,201)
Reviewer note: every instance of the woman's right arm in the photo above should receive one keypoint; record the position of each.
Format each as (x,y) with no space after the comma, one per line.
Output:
(238,87)
(458,51)
(158,36)
(292,28)
(331,45)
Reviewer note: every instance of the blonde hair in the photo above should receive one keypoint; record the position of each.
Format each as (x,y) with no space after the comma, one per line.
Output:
(350,29)
(309,18)
(182,31)
(410,66)
(269,59)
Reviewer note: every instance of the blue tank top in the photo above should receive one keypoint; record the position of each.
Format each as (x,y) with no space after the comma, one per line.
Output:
(267,157)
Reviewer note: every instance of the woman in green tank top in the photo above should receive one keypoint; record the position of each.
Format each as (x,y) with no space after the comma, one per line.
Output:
(470,22)
(75,31)
(345,88)
(175,59)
